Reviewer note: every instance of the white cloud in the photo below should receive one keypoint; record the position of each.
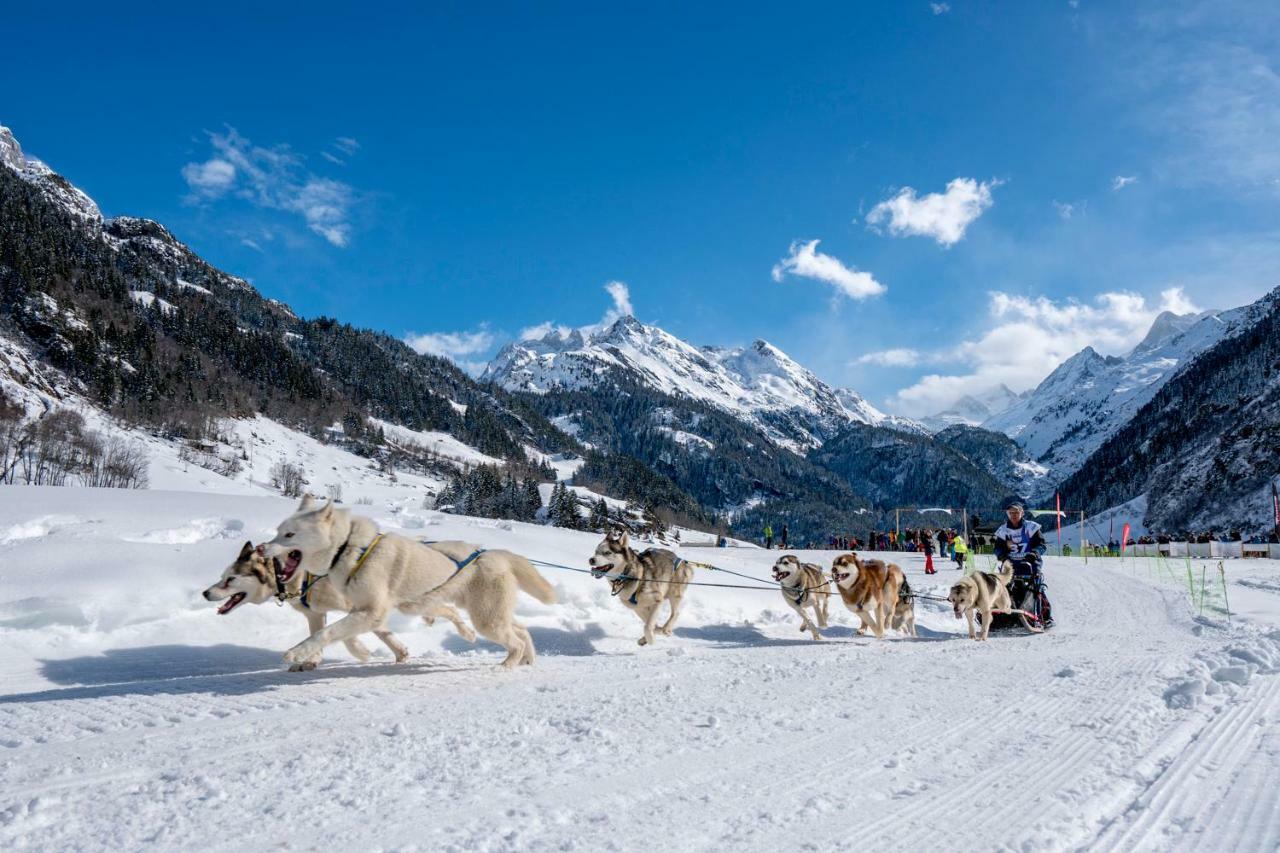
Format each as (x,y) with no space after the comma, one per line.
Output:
(212,177)
(332,159)
(621,296)
(454,346)
(806,261)
(901,357)
(1028,337)
(1119,182)
(1065,209)
(619,307)
(534,333)
(346,145)
(942,216)
(272,178)
(940,8)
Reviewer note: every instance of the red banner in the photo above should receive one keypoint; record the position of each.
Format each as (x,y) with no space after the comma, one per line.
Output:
(1124,539)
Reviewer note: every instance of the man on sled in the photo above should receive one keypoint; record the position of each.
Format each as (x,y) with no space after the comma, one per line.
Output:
(1021,541)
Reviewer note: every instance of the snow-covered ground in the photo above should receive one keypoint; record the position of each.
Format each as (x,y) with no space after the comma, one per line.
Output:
(131,715)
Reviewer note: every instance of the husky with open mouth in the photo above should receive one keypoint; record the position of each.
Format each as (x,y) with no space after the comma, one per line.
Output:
(982,592)
(804,587)
(254,579)
(643,580)
(378,572)
(876,592)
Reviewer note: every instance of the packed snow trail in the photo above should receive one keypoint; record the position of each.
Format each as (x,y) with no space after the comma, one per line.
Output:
(132,716)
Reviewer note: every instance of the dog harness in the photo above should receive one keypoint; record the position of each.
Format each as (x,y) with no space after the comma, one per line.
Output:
(364,555)
(460,564)
(625,579)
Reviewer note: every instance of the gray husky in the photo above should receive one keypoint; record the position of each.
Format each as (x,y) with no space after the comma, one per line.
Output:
(643,580)
(804,586)
(380,572)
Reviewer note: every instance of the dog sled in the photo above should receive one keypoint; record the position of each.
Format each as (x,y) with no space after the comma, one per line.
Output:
(1030,611)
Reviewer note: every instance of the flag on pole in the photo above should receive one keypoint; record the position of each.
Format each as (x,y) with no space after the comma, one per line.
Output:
(1124,538)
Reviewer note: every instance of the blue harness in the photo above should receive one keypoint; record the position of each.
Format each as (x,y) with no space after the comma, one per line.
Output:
(674,567)
(461,564)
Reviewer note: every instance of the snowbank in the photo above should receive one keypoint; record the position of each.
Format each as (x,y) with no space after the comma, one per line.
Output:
(131,715)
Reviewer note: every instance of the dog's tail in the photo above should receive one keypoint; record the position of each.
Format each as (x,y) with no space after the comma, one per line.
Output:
(904,591)
(1006,572)
(530,581)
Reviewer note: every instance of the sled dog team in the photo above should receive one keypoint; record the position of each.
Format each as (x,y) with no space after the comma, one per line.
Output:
(324,559)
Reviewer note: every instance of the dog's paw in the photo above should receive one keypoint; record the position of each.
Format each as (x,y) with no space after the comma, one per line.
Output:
(303,667)
(467,634)
(643,641)
(302,653)
(666,632)
(401,657)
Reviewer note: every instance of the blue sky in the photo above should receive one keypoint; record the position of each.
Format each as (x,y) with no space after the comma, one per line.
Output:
(993,186)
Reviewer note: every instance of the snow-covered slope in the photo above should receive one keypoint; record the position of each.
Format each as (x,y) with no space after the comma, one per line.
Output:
(1089,397)
(134,717)
(759,384)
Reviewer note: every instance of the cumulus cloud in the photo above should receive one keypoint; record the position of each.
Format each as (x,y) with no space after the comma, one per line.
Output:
(901,357)
(1028,337)
(1065,209)
(805,261)
(1119,182)
(272,178)
(943,216)
(940,8)
(214,176)
(455,346)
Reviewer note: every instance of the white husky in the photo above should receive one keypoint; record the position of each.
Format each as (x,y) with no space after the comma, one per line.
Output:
(381,572)
(254,579)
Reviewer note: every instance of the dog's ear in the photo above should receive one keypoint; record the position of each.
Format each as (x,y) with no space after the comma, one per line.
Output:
(308,501)
(245,551)
(622,538)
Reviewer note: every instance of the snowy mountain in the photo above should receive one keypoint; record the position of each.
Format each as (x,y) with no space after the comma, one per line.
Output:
(53,185)
(759,384)
(151,334)
(1204,448)
(1089,397)
(974,409)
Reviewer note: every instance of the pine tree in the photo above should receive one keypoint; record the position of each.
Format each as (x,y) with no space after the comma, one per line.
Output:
(599,519)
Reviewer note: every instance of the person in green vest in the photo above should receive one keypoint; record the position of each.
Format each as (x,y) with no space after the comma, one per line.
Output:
(961,551)
(768,536)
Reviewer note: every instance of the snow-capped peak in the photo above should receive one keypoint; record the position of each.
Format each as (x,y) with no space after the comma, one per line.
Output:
(1089,396)
(759,383)
(55,186)
(11,151)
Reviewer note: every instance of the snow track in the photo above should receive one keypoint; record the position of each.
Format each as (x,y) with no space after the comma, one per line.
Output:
(1130,726)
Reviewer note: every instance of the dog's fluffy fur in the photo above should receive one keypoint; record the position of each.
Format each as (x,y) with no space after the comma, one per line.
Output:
(982,592)
(804,587)
(252,579)
(873,590)
(405,575)
(642,581)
